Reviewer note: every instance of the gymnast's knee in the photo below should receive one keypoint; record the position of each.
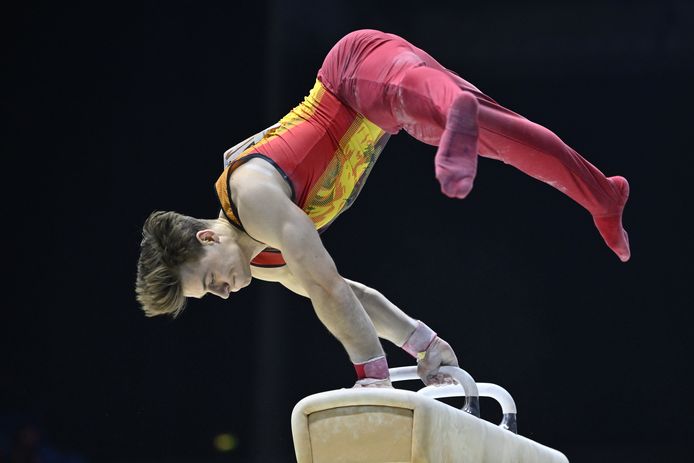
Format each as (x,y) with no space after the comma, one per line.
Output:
(426,94)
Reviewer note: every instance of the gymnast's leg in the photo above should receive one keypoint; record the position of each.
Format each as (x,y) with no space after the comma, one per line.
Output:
(434,110)
(541,154)
(427,94)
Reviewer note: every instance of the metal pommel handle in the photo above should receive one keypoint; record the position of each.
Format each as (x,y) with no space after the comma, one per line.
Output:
(498,393)
(472,401)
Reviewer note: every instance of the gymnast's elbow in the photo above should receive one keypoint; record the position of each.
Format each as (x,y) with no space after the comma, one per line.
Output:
(333,291)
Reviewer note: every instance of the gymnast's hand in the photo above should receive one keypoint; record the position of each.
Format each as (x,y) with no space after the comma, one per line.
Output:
(438,354)
(372,382)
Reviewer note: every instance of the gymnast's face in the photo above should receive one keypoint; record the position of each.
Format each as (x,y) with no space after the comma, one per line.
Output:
(221,270)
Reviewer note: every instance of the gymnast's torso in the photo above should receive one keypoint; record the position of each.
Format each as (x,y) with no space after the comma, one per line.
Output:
(324,151)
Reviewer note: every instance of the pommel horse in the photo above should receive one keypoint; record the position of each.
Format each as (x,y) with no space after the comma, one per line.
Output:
(378,425)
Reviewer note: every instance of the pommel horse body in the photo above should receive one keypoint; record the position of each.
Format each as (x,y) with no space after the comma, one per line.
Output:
(401,426)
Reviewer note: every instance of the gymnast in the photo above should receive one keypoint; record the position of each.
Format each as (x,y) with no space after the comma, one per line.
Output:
(284,187)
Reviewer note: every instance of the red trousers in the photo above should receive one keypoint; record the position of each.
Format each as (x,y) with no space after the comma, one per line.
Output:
(398,86)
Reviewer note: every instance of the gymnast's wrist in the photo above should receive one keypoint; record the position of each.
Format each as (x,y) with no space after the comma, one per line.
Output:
(375,368)
(419,341)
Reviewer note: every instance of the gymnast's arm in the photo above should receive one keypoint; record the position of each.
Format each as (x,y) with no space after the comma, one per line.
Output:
(279,223)
(391,323)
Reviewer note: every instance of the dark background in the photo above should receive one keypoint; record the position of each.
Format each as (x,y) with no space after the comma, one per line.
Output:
(115,112)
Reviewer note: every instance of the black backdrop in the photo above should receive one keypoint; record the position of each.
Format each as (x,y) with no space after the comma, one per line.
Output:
(115,112)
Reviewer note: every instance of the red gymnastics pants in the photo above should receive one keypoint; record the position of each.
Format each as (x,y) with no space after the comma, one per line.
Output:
(399,86)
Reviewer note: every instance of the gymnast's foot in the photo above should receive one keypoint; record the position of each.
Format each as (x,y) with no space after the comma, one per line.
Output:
(456,157)
(610,226)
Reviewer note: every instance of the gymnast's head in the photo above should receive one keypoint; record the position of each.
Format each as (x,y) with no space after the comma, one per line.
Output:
(182,256)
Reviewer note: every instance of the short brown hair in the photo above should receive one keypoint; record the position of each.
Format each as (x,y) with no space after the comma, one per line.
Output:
(168,241)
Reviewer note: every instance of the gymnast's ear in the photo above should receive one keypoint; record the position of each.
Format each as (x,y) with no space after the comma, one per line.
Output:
(207,236)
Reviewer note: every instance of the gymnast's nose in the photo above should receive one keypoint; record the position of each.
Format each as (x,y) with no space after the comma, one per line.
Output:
(221,289)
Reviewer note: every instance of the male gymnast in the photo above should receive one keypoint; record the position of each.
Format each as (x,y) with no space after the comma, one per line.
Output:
(283,187)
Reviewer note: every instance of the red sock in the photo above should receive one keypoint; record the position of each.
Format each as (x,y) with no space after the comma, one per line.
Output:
(456,157)
(610,226)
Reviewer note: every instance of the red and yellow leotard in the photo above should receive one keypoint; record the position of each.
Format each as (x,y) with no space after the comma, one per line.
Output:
(323,149)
